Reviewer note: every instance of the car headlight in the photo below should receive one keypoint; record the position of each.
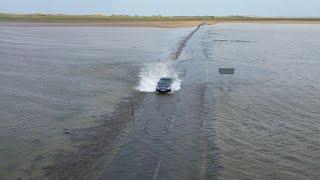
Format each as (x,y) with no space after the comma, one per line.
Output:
(158,88)
(168,88)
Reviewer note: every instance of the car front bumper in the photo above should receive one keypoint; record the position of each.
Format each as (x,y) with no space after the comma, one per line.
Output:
(163,90)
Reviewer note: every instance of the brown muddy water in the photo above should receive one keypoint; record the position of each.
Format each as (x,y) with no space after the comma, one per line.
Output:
(79,102)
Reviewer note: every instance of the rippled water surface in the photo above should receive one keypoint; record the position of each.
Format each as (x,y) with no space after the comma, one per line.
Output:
(261,123)
(57,79)
(268,125)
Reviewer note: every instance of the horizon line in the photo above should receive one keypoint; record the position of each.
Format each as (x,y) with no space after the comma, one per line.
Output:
(159,15)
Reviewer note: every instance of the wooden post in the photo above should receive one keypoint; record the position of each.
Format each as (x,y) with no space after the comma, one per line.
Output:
(132,110)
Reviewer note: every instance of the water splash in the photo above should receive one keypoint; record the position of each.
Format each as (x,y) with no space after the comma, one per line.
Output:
(151,73)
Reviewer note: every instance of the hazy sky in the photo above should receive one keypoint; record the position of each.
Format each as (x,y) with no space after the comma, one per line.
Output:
(166,7)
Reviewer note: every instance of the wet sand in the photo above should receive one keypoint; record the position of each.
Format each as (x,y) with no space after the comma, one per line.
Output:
(158,24)
(270,22)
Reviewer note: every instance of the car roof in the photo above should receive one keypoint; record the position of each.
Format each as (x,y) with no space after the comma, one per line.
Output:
(166,78)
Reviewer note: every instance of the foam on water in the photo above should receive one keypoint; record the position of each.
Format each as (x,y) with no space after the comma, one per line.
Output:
(151,73)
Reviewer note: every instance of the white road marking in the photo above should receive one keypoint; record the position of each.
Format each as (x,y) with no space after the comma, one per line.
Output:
(171,125)
(206,70)
(156,172)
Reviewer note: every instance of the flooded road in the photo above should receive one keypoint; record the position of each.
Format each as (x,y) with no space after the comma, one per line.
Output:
(170,135)
(261,123)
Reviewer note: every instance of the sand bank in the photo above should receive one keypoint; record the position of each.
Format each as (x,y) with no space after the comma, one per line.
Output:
(158,24)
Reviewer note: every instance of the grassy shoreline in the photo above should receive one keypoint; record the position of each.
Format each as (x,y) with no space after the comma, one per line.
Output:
(144,21)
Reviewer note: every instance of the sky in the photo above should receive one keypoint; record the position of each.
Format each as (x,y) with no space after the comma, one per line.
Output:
(296,8)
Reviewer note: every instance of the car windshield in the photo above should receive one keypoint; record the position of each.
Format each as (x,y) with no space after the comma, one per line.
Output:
(164,81)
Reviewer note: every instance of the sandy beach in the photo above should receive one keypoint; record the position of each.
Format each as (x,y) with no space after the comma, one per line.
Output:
(157,24)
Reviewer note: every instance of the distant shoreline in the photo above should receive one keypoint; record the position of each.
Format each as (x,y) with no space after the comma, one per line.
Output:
(158,24)
(140,21)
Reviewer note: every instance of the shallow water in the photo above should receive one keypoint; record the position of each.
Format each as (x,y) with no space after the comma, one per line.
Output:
(268,125)
(261,123)
(57,79)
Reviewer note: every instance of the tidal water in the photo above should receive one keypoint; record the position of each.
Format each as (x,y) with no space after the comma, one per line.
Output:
(268,125)
(263,122)
(57,79)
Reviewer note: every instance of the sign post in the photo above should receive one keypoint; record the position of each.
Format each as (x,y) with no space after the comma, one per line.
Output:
(225,72)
